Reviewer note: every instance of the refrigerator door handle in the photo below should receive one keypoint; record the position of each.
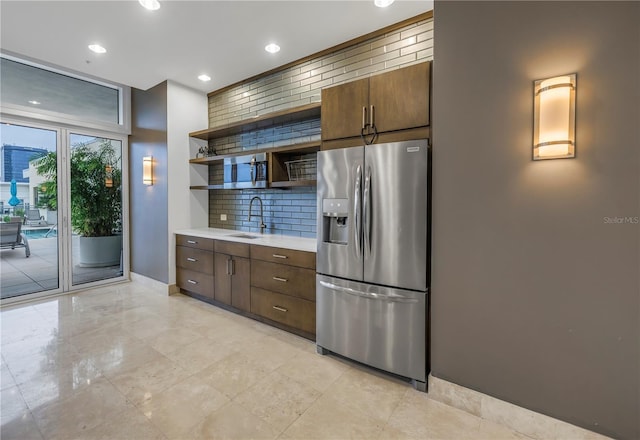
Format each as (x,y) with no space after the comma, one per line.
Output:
(356,210)
(370,295)
(367,211)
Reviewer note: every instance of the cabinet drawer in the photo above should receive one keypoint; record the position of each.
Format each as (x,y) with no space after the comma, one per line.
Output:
(194,259)
(284,256)
(281,278)
(205,244)
(195,282)
(232,248)
(294,312)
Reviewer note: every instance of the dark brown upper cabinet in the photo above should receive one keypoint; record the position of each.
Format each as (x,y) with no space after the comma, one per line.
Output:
(392,101)
(343,109)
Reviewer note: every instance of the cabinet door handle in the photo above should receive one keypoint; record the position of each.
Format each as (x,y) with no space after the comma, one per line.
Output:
(372,118)
(279,256)
(280,309)
(233,267)
(192,242)
(284,280)
(193,260)
(192,282)
(364,117)
(229,267)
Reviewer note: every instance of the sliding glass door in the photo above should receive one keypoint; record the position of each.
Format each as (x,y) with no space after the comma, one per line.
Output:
(63,206)
(30,246)
(96,208)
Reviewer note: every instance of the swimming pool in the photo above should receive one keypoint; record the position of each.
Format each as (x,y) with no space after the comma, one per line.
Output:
(39,233)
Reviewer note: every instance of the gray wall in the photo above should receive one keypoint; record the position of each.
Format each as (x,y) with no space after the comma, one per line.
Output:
(149,220)
(535,295)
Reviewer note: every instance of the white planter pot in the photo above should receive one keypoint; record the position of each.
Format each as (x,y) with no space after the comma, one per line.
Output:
(100,251)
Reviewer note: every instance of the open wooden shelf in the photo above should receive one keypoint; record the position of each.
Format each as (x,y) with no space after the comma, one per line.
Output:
(300,113)
(277,155)
(292,183)
(207,187)
(301,148)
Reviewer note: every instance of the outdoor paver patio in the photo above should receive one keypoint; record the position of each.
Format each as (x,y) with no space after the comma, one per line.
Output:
(20,275)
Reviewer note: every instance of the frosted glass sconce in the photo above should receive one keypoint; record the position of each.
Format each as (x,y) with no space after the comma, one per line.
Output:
(554,123)
(147,170)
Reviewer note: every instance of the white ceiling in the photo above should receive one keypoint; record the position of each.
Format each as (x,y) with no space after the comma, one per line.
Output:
(224,39)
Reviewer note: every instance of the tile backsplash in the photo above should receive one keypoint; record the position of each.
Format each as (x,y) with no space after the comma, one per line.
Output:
(293,211)
(289,212)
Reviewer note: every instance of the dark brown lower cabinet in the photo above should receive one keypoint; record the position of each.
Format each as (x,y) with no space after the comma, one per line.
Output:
(233,274)
(286,309)
(196,282)
(232,281)
(273,285)
(194,265)
(283,288)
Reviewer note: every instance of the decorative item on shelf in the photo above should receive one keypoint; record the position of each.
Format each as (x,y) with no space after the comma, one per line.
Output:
(206,151)
(108,179)
(554,122)
(303,169)
(147,170)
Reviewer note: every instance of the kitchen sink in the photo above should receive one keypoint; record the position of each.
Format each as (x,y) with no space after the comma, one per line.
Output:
(244,236)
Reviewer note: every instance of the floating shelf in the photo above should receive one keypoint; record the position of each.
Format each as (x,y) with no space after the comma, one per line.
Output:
(207,187)
(292,183)
(300,113)
(301,148)
(277,155)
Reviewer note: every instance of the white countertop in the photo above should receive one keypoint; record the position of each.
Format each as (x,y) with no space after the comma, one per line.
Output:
(282,241)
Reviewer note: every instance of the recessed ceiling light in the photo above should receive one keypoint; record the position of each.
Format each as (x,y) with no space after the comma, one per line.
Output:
(97,48)
(152,5)
(272,48)
(204,77)
(382,3)
(34,102)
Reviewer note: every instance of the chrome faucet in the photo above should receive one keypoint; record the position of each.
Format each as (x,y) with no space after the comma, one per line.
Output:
(262,225)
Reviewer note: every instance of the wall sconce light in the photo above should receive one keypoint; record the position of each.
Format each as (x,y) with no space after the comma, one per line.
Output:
(147,170)
(554,119)
(108,176)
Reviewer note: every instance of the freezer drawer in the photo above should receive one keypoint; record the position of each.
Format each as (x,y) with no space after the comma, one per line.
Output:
(378,326)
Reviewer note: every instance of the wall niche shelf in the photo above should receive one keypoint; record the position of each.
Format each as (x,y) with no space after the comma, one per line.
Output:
(277,156)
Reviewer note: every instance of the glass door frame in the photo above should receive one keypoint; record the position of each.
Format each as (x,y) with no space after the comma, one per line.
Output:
(63,149)
(68,258)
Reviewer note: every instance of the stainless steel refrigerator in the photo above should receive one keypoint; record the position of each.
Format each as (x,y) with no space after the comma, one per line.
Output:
(373,256)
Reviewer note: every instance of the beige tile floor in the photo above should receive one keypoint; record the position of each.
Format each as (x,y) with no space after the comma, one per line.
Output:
(124,362)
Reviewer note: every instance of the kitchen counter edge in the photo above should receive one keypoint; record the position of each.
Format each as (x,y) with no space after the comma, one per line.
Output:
(273,240)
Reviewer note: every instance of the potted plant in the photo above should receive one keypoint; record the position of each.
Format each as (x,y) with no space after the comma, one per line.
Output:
(96,199)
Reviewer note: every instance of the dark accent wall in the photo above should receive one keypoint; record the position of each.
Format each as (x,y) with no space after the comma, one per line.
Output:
(536,265)
(148,204)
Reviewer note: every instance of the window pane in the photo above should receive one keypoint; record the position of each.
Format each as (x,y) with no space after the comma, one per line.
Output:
(96,208)
(40,89)
(29,205)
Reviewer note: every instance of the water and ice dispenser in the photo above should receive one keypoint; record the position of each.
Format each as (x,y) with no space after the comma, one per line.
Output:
(335,216)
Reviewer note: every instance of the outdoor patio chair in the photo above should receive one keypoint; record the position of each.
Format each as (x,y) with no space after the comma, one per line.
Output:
(11,236)
(33,218)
